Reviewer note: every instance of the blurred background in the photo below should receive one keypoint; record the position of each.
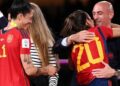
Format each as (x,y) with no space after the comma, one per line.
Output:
(55,11)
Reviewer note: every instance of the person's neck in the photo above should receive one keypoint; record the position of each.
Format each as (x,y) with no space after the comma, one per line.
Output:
(11,24)
(15,23)
(108,25)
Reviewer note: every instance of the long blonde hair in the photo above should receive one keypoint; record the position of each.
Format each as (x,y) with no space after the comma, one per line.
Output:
(40,33)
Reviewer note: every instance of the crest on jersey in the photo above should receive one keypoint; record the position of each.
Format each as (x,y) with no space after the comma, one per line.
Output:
(25,43)
(9,38)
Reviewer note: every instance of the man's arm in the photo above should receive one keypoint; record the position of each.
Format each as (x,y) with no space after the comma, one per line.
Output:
(82,36)
(116,29)
(116,32)
(106,72)
(31,70)
(113,25)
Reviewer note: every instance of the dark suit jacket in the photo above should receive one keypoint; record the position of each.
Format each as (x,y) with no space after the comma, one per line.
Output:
(3,22)
(63,51)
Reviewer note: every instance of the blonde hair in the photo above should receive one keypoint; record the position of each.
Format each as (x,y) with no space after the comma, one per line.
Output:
(40,33)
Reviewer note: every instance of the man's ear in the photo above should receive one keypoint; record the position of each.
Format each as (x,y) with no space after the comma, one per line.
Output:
(111,15)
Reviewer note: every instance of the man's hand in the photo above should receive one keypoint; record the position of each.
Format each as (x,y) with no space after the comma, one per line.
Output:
(106,72)
(82,36)
(90,22)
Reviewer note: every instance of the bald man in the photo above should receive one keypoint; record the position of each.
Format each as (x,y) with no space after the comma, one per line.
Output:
(103,13)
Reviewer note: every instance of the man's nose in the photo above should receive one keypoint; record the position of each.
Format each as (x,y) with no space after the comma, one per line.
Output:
(95,16)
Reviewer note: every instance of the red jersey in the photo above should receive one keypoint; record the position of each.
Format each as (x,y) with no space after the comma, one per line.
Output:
(88,56)
(13,43)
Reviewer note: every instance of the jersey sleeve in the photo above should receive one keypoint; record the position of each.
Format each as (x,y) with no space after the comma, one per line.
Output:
(24,43)
(25,46)
(108,33)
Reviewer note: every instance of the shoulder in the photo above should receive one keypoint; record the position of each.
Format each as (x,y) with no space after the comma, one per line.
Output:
(92,29)
(23,33)
(104,28)
(108,32)
(113,25)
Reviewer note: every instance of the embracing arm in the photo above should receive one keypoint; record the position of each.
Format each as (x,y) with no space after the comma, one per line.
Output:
(106,72)
(29,68)
(82,36)
(27,65)
(116,32)
(116,29)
